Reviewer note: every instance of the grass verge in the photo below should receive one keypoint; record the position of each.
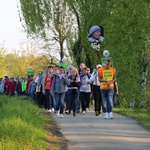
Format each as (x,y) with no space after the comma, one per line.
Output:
(142,116)
(26,127)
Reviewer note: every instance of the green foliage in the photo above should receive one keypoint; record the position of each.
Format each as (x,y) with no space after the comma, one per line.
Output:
(126,36)
(34,15)
(126,28)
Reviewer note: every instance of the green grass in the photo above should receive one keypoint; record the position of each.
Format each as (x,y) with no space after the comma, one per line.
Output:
(22,125)
(141,115)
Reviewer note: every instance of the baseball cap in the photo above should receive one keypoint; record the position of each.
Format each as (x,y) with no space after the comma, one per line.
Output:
(99,66)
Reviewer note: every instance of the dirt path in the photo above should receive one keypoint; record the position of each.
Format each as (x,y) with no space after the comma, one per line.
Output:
(88,132)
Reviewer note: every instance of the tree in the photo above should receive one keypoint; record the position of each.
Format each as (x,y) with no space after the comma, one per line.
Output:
(126,26)
(47,19)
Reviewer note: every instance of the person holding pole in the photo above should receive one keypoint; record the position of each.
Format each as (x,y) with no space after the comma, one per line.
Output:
(107,78)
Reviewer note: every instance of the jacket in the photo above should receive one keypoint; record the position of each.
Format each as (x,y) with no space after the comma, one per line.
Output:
(59,85)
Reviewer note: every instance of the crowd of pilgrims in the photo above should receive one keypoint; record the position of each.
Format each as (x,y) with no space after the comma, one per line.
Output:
(59,90)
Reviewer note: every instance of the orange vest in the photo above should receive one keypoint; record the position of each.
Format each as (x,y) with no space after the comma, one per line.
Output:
(107,74)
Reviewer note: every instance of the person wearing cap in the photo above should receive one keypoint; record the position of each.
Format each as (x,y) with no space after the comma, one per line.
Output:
(107,79)
(94,35)
(94,79)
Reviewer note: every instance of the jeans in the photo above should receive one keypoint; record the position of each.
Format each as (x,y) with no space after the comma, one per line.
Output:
(33,96)
(72,100)
(78,104)
(59,98)
(53,103)
(17,94)
(107,100)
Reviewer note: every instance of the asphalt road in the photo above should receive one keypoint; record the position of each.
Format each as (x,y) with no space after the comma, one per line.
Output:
(89,132)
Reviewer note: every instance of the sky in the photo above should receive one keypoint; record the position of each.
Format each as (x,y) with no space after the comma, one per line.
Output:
(12,35)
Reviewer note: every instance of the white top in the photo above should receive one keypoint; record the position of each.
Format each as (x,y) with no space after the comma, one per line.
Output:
(95,78)
(85,86)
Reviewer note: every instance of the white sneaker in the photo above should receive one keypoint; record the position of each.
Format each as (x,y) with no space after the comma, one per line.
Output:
(110,115)
(106,115)
(87,110)
(52,109)
(61,116)
(49,111)
(57,113)
(83,113)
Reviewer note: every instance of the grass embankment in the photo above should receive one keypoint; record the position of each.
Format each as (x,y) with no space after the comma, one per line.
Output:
(26,127)
(141,115)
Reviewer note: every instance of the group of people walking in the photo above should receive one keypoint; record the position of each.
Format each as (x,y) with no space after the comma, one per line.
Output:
(67,91)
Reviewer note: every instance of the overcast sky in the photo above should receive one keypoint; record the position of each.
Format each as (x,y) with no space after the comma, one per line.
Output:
(11,31)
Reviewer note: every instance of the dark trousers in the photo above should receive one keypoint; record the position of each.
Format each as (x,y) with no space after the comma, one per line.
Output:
(66,101)
(72,101)
(97,98)
(41,99)
(48,99)
(85,100)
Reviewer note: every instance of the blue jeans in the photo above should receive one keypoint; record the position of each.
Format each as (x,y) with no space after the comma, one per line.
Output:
(107,100)
(17,94)
(59,98)
(33,96)
(53,102)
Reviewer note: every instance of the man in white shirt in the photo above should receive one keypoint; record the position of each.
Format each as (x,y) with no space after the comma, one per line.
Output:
(94,79)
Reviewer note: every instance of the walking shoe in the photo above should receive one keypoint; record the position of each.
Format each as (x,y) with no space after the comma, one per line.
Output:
(57,113)
(96,113)
(53,110)
(110,115)
(61,116)
(78,111)
(49,111)
(87,110)
(66,111)
(69,112)
(83,113)
(74,114)
(106,115)
(99,113)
